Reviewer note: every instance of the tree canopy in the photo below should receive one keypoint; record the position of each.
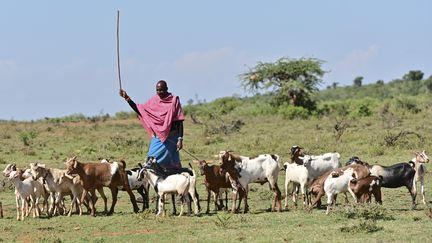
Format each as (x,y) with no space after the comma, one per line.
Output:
(292,80)
(414,75)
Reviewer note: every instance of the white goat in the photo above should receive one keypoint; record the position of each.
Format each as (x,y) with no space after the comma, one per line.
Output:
(180,184)
(59,185)
(337,182)
(298,174)
(244,170)
(320,164)
(420,168)
(26,174)
(27,188)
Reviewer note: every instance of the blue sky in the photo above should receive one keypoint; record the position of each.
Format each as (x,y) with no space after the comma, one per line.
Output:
(59,57)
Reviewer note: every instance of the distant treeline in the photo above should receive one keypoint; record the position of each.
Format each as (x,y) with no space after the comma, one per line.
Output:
(399,96)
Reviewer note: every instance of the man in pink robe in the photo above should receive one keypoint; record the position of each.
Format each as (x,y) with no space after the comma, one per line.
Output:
(162,117)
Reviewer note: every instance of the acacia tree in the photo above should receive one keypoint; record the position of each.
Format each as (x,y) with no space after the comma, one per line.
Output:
(358,81)
(292,80)
(414,75)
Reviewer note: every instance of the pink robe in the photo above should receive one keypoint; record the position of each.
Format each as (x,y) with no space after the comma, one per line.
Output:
(157,115)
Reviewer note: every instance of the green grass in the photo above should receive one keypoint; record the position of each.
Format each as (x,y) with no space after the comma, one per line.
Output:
(52,142)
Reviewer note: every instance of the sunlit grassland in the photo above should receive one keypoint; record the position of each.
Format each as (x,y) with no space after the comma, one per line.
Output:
(52,142)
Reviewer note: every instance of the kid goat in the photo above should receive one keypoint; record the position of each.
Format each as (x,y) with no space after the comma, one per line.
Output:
(214,180)
(24,189)
(58,187)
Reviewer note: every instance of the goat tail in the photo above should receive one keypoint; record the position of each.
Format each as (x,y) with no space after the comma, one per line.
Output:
(123,163)
(412,164)
(275,157)
(193,171)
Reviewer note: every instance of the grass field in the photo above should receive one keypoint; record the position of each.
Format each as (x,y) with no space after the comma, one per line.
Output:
(52,142)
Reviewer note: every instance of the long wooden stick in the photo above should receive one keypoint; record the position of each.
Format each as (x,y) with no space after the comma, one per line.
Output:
(118,49)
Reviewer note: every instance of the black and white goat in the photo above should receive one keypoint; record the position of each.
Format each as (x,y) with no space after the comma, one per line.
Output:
(176,184)
(139,184)
(401,174)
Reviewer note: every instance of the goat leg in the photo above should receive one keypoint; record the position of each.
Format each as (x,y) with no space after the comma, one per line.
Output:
(208,201)
(174,210)
(114,192)
(198,201)
(141,191)
(188,200)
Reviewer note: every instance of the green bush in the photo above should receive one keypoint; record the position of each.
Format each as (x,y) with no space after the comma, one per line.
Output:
(407,104)
(364,110)
(293,112)
(365,226)
(27,137)
(124,115)
(225,105)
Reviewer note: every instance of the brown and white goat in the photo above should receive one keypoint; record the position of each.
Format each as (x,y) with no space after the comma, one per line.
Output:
(316,188)
(362,189)
(97,175)
(244,170)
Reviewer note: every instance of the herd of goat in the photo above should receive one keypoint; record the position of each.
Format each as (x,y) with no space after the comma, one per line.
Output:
(312,176)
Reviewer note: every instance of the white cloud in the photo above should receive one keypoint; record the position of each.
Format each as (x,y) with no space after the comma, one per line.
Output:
(207,60)
(357,60)
(8,65)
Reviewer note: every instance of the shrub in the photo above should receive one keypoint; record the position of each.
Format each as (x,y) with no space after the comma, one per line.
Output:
(376,150)
(292,112)
(367,212)
(27,137)
(365,226)
(225,105)
(364,110)
(407,104)
(124,115)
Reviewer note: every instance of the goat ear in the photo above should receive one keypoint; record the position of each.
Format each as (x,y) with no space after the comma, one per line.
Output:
(74,158)
(140,165)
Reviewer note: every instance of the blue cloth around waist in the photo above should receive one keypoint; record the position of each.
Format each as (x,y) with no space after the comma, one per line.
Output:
(166,153)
